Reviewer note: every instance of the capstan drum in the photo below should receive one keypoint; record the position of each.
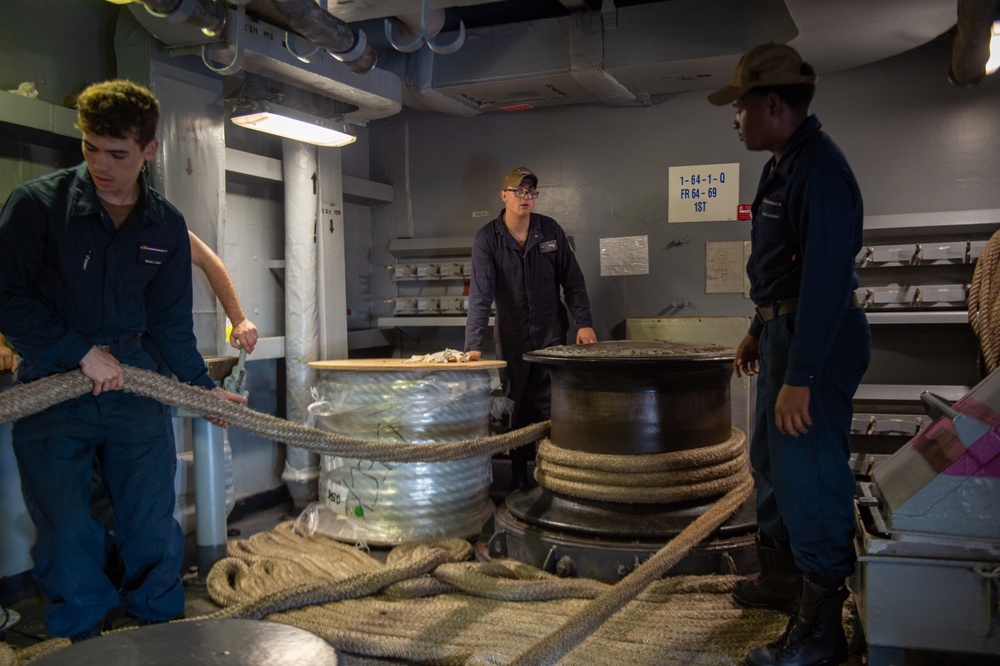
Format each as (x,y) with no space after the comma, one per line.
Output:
(641,444)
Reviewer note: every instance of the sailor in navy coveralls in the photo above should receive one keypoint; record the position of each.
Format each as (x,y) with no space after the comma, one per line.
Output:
(523,261)
(90,259)
(809,345)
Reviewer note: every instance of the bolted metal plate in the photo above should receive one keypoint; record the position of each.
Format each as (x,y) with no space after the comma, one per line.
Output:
(200,643)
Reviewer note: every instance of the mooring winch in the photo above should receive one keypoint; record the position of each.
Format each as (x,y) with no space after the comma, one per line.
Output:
(641,444)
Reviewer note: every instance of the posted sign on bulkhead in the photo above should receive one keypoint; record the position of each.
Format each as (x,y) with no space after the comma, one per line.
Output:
(704,192)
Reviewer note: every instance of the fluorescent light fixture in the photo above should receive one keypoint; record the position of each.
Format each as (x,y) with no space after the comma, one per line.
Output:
(289,123)
(993,64)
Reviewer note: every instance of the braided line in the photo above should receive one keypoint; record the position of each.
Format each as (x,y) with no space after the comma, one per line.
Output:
(561,642)
(26,399)
(644,479)
(984,305)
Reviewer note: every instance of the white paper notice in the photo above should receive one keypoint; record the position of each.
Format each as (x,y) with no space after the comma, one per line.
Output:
(628,255)
(704,193)
(725,267)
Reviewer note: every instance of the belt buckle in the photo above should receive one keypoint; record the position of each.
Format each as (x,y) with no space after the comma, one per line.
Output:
(770,311)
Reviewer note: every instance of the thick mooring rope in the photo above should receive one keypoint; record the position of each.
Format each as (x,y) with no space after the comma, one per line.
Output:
(578,627)
(428,557)
(408,575)
(421,570)
(476,613)
(26,399)
(984,305)
(657,478)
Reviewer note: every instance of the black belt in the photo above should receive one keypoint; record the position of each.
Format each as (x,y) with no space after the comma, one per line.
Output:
(124,346)
(784,306)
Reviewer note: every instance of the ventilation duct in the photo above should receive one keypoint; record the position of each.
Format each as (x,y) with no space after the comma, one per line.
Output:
(420,93)
(586,60)
(636,54)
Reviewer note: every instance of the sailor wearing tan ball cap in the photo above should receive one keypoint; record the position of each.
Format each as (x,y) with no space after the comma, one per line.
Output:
(524,262)
(809,346)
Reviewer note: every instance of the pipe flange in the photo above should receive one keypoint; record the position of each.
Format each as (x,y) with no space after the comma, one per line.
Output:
(356,51)
(184,10)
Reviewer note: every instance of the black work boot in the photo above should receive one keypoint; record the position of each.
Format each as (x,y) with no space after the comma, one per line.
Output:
(814,635)
(776,586)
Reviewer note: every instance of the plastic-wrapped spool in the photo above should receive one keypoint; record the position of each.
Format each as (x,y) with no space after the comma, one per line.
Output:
(385,400)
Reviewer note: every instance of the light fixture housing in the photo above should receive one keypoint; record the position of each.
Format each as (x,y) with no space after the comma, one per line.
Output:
(272,118)
(993,64)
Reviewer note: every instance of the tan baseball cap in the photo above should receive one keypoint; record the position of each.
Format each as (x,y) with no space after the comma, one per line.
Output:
(765,65)
(514,177)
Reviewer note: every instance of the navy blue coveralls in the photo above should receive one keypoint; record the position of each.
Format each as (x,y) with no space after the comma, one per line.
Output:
(525,283)
(805,235)
(68,281)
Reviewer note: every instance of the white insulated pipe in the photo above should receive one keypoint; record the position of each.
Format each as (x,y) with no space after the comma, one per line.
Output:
(299,167)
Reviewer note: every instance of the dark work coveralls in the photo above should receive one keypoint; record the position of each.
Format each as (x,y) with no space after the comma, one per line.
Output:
(68,281)
(530,314)
(806,233)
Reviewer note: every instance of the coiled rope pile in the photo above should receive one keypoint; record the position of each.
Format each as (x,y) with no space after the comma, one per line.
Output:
(472,634)
(429,604)
(657,478)
(984,305)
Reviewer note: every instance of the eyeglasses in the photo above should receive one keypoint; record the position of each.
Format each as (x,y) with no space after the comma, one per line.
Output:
(524,194)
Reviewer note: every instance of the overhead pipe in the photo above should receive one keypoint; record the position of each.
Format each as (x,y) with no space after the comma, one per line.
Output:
(412,27)
(207,15)
(325,30)
(971,48)
(420,29)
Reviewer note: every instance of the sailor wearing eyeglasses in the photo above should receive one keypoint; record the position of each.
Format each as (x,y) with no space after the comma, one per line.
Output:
(522,261)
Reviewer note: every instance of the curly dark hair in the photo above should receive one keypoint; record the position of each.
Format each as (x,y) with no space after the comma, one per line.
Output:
(119,109)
